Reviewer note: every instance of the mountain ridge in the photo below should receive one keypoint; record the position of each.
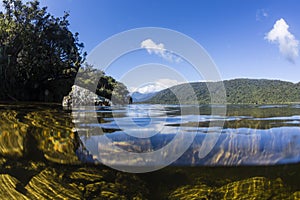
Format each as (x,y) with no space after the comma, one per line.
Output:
(238,91)
(140,97)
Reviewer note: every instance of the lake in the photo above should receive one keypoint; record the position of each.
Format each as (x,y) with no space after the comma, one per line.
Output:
(150,152)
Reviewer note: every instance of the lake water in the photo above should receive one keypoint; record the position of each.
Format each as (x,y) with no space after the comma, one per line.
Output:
(188,152)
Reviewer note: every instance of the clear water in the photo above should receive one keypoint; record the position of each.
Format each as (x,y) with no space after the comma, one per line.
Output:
(250,135)
(47,152)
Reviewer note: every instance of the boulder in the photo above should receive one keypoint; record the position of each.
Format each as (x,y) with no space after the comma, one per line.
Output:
(80,96)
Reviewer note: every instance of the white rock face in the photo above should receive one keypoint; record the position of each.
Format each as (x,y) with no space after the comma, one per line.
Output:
(80,96)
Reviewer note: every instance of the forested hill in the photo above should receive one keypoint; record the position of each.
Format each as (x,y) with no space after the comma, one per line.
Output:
(238,91)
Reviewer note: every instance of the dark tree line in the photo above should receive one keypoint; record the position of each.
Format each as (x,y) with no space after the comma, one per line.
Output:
(40,56)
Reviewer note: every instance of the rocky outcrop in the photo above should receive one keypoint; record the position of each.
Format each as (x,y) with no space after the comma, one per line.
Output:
(252,188)
(80,96)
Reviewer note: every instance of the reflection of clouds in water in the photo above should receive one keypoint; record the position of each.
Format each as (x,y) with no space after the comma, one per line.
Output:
(243,142)
(143,121)
(146,111)
(241,146)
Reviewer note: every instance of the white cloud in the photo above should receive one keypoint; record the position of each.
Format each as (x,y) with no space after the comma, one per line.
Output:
(288,45)
(156,86)
(159,49)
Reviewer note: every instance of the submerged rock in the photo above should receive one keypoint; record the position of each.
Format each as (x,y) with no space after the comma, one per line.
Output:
(49,184)
(40,135)
(54,136)
(2,161)
(252,188)
(89,175)
(295,195)
(108,184)
(12,135)
(8,185)
(31,180)
(200,192)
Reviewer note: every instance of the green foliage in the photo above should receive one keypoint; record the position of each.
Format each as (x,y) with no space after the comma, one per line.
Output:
(238,91)
(88,76)
(38,53)
(96,81)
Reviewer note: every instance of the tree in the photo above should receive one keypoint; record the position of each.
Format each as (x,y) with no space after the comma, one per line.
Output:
(96,81)
(88,77)
(39,55)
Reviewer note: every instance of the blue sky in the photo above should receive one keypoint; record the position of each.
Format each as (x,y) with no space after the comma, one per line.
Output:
(234,33)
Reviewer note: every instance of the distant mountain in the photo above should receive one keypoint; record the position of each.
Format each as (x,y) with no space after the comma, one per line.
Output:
(140,97)
(238,91)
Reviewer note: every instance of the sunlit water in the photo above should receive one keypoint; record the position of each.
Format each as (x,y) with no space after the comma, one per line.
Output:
(47,152)
(249,135)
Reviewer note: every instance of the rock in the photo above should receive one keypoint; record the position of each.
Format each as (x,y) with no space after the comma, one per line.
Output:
(103,190)
(295,195)
(104,183)
(50,184)
(88,175)
(42,134)
(123,186)
(54,136)
(12,135)
(83,97)
(8,188)
(2,161)
(200,192)
(252,188)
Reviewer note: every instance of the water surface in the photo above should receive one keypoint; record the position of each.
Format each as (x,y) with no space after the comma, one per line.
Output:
(47,152)
(246,135)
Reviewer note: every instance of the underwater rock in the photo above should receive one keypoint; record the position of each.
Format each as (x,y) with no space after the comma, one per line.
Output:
(200,192)
(295,195)
(252,188)
(54,136)
(12,135)
(2,161)
(105,183)
(103,190)
(8,188)
(42,134)
(50,184)
(131,186)
(89,175)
